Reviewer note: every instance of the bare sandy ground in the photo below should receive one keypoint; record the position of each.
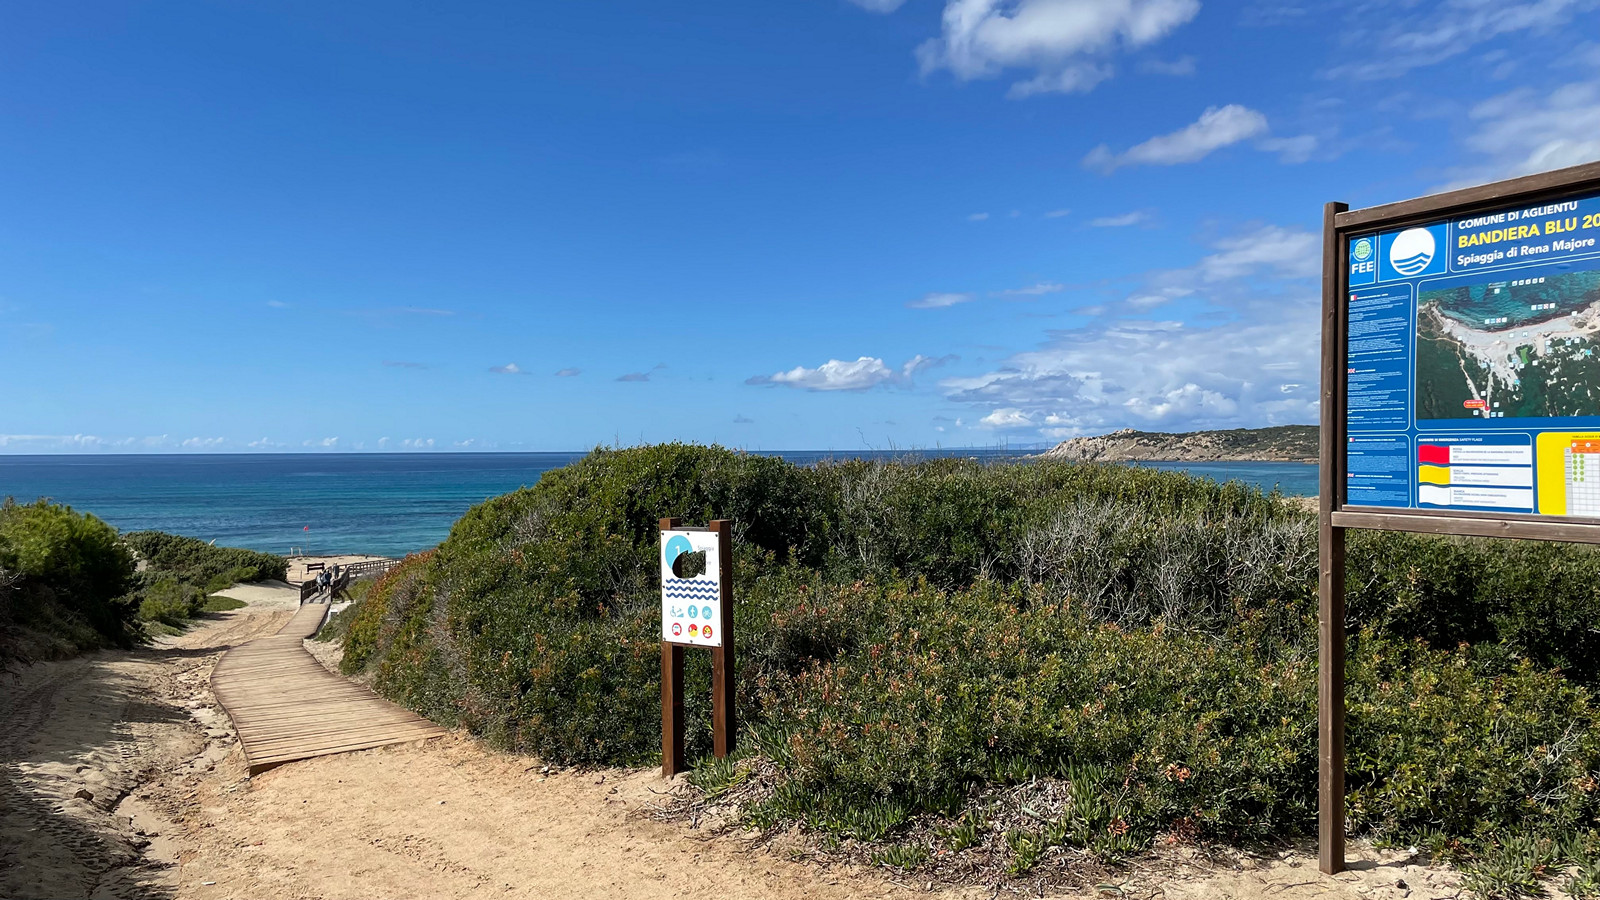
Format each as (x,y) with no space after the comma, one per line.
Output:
(265,595)
(82,742)
(170,812)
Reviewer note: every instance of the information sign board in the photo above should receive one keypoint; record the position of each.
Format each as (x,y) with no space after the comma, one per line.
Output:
(696,611)
(691,606)
(1460,391)
(1471,376)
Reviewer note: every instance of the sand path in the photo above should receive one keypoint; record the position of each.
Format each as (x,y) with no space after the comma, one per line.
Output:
(81,739)
(166,810)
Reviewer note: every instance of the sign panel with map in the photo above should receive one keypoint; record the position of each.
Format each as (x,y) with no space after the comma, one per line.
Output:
(1472,381)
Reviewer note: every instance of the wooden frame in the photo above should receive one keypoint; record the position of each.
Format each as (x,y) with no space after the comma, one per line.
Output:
(1339,222)
(724,722)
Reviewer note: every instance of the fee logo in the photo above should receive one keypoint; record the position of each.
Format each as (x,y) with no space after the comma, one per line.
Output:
(1363,260)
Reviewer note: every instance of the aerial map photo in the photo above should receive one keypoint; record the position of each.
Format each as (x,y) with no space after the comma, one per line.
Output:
(1521,347)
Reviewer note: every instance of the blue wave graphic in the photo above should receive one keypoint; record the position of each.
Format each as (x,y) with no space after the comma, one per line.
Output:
(1413,264)
(692,592)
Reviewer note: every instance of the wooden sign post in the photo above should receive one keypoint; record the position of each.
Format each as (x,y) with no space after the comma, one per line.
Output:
(696,611)
(1493,431)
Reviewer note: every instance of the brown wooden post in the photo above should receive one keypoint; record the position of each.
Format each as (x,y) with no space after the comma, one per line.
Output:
(1330,545)
(724,723)
(672,757)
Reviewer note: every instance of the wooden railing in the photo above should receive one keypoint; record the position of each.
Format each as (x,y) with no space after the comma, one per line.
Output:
(369,567)
(348,572)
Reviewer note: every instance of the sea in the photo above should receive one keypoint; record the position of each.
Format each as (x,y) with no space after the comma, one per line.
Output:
(385,504)
(1513,303)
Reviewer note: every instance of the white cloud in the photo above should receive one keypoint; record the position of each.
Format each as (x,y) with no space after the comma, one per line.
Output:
(48,441)
(507,369)
(1527,131)
(1035,290)
(879,6)
(277,304)
(1238,354)
(1183,66)
(1414,35)
(1191,399)
(325,442)
(417,443)
(1156,298)
(1291,150)
(1122,221)
(1057,213)
(862,374)
(833,375)
(1217,127)
(919,362)
(1066,44)
(941,300)
(568,373)
(1286,252)
(978,217)
(1006,418)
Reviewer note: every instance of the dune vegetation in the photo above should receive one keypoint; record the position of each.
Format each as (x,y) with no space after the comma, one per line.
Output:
(70,583)
(1132,652)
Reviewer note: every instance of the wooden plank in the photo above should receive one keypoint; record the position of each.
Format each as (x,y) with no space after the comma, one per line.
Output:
(672,755)
(287,706)
(1532,188)
(332,735)
(1330,556)
(1492,525)
(724,727)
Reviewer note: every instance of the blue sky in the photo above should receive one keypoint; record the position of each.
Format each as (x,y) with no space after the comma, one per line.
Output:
(829,224)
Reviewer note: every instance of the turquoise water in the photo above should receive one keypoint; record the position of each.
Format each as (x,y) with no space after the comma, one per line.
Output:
(1476,305)
(385,504)
(1292,478)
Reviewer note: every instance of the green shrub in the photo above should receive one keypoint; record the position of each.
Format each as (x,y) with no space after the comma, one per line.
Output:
(222,604)
(178,570)
(63,580)
(914,634)
(198,562)
(171,602)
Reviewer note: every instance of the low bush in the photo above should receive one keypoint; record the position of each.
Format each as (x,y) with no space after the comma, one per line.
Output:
(64,577)
(197,562)
(180,574)
(912,635)
(222,604)
(170,602)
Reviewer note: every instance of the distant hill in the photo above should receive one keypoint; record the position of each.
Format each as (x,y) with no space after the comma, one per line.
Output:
(1281,443)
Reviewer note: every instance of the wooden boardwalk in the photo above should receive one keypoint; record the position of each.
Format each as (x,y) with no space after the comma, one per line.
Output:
(287,706)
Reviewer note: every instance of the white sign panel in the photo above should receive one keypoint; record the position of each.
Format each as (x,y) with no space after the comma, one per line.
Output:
(691,608)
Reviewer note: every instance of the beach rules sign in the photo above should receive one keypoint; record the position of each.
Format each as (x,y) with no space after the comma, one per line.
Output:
(691,604)
(696,611)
